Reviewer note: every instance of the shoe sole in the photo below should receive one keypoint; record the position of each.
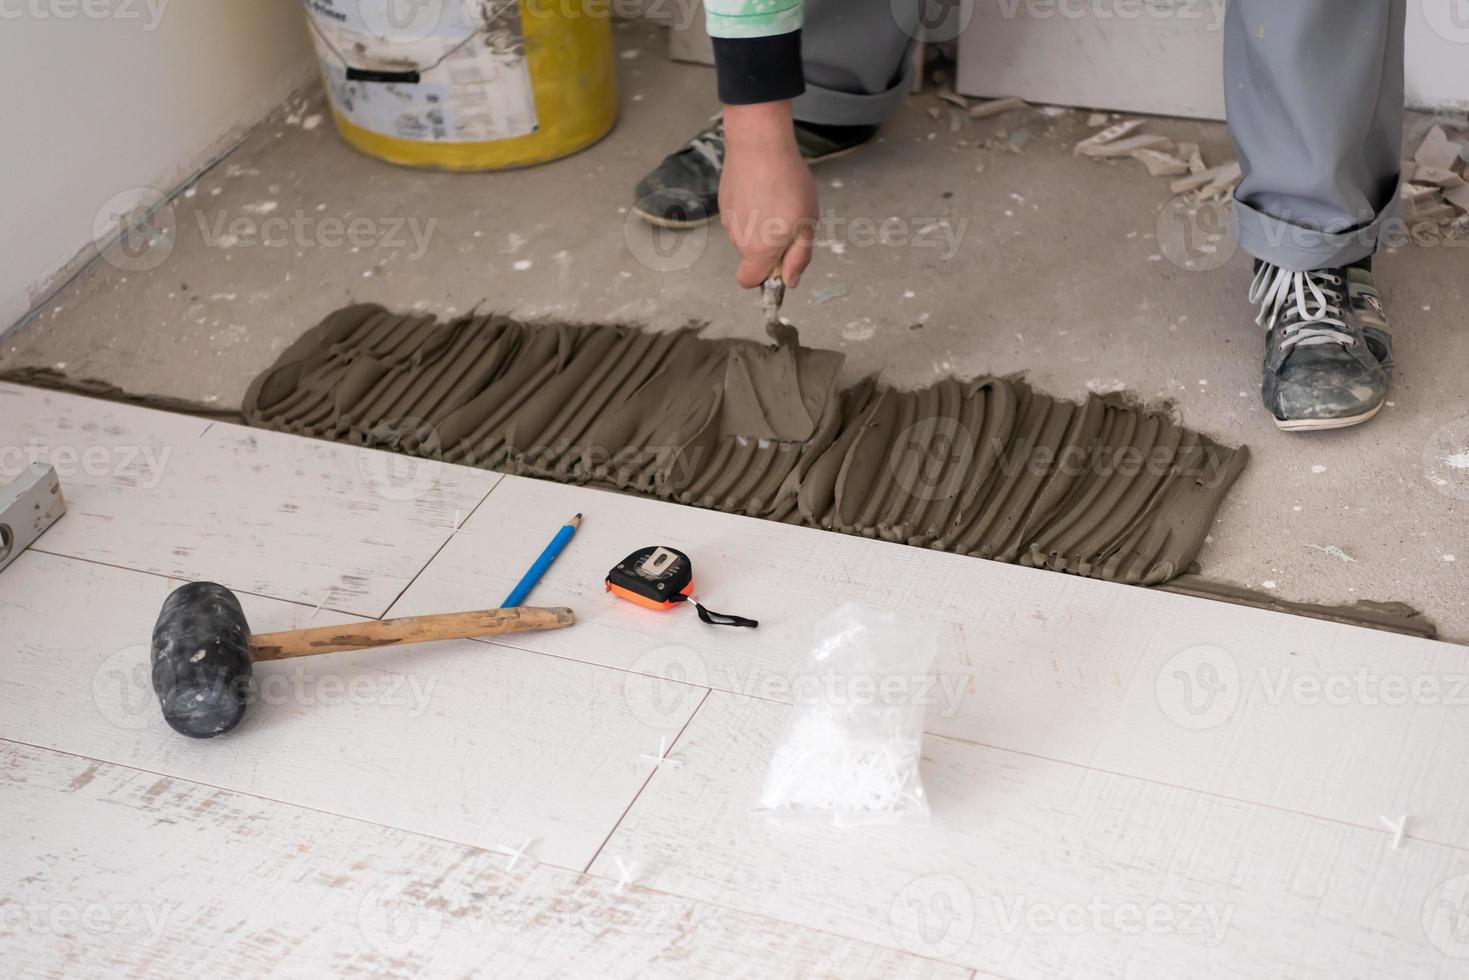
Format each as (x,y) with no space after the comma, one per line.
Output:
(662,222)
(1317,425)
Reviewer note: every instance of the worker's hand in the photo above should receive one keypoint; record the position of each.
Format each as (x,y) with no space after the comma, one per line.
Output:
(767,199)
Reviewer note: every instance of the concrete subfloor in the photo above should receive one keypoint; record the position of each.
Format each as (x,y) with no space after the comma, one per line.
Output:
(1001,261)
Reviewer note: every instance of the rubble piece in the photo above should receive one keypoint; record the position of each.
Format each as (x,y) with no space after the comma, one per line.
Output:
(1413,193)
(1124,147)
(828,293)
(1407,169)
(1224,181)
(1194,181)
(1160,164)
(1108,135)
(1431,210)
(1436,177)
(1096,120)
(1053,111)
(1017,141)
(1437,150)
(948,94)
(1193,157)
(996,107)
(934,112)
(1458,197)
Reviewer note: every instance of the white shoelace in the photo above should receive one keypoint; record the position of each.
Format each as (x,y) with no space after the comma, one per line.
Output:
(710,145)
(1316,298)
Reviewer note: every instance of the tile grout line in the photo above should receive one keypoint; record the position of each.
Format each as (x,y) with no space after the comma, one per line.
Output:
(630,803)
(440,550)
(304,604)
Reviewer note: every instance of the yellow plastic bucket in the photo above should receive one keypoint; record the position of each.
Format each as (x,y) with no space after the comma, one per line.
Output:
(467,84)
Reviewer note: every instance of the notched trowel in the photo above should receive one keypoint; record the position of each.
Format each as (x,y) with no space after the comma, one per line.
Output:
(772,295)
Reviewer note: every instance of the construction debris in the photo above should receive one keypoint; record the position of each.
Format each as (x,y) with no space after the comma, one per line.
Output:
(1108,135)
(1224,182)
(1159,163)
(1126,147)
(1435,182)
(948,94)
(1437,151)
(984,110)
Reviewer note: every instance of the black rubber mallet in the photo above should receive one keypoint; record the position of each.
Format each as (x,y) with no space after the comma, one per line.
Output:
(203,652)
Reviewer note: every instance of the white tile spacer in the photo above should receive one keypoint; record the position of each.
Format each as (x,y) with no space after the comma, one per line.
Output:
(459,527)
(1398,829)
(662,755)
(514,854)
(625,874)
(320,604)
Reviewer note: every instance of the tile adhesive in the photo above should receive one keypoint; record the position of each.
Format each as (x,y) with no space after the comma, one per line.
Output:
(988,467)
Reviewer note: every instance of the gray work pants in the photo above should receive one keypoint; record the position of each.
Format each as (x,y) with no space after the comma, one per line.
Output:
(1313,88)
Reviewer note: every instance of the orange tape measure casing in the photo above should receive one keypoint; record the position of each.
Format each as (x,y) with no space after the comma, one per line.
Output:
(655,578)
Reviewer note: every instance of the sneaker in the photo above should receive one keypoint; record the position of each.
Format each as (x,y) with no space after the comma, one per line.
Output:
(683,190)
(1328,355)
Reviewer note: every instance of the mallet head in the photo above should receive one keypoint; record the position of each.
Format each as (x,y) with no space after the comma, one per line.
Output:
(201,660)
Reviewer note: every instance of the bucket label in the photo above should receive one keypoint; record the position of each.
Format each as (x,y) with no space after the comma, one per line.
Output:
(474,84)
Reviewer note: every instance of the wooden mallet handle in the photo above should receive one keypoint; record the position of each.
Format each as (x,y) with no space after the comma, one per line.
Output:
(414,629)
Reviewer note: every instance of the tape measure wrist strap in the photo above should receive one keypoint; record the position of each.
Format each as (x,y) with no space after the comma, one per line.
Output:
(718,619)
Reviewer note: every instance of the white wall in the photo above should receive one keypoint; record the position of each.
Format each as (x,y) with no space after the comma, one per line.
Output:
(105,96)
(1169,60)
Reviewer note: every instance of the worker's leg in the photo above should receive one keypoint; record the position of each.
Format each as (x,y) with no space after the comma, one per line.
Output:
(1314,90)
(855,56)
(856,59)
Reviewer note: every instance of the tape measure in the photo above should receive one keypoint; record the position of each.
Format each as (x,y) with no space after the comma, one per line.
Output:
(660,577)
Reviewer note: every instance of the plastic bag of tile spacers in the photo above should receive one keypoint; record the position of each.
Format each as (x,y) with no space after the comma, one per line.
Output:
(850,752)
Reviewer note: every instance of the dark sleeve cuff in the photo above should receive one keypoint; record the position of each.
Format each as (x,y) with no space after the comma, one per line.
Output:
(758,69)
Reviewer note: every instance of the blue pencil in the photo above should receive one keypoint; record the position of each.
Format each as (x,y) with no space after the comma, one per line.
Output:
(559,542)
